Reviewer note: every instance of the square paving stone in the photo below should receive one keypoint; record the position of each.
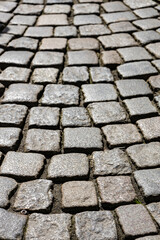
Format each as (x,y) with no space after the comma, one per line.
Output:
(65,31)
(23,20)
(133,88)
(154,209)
(28,9)
(11,225)
(155,237)
(147,24)
(117,40)
(121,134)
(1,89)
(44,117)
(53,44)
(149,181)
(39,32)
(135,220)
(44,75)
(48,226)
(93,30)
(14,74)
(98,92)
(14,29)
(84,57)
(118,16)
(5,17)
(145,155)
(145,37)
(24,43)
(116,6)
(7,187)
(33,1)
(150,128)
(22,166)
(115,190)
(34,195)
(156,63)
(110,58)
(9,138)
(6,6)
(52,20)
(154,48)
(86,19)
(47,59)
(139,3)
(84,139)
(101,74)
(146,12)
(22,93)
(12,115)
(68,166)
(95,225)
(122,27)
(134,54)
(60,95)
(5,39)
(136,69)
(107,112)
(140,108)
(111,162)
(79,195)
(44,141)
(75,75)
(154,81)
(75,117)
(57,8)
(85,8)
(83,44)
(20,58)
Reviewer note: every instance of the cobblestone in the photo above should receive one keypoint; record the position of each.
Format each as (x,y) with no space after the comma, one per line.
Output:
(83,44)
(155,82)
(116,6)
(52,20)
(145,37)
(111,58)
(14,74)
(84,57)
(45,75)
(154,209)
(139,3)
(59,8)
(101,74)
(86,19)
(119,16)
(147,24)
(93,30)
(75,75)
(154,48)
(86,9)
(134,54)
(9,138)
(39,32)
(53,44)
(119,27)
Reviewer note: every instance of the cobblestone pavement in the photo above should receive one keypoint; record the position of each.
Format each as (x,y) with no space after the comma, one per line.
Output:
(79,119)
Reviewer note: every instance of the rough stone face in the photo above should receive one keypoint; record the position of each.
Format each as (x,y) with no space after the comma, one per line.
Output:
(44,75)
(154,48)
(45,141)
(53,44)
(145,155)
(57,8)
(122,27)
(134,54)
(121,134)
(157,99)
(5,39)
(145,37)
(66,31)
(106,112)
(15,74)
(118,16)
(60,95)
(95,225)
(146,12)
(115,6)
(149,181)
(24,42)
(155,237)
(75,116)
(101,74)
(52,20)
(12,115)
(84,57)
(86,19)
(22,165)
(85,8)
(147,24)
(154,209)
(156,63)
(29,9)
(5,17)
(83,44)
(7,6)
(79,194)
(110,58)
(38,196)
(7,186)
(135,220)
(50,226)
(139,3)
(11,225)
(111,162)
(39,32)
(115,190)
(68,166)
(155,82)
(44,117)
(75,75)
(9,138)
(93,30)
(82,138)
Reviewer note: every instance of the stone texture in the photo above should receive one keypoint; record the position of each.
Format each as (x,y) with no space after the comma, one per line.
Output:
(38,196)
(145,37)
(57,8)
(6,6)
(149,180)
(24,43)
(68,166)
(45,141)
(116,6)
(82,139)
(5,17)
(93,30)
(65,31)
(86,8)
(146,12)
(22,165)
(101,74)
(83,44)
(9,138)
(5,39)
(147,24)
(121,134)
(154,81)
(7,187)
(53,44)
(110,58)
(118,16)
(154,48)
(75,75)
(154,209)
(135,220)
(28,9)
(157,100)
(134,54)
(14,74)
(111,162)
(84,57)
(23,20)
(139,3)
(11,225)
(39,32)
(122,27)
(155,237)
(156,63)
(44,75)
(79,194)
(48,226)
(52,20)
(86,19)
(106,112)
(95,225)
(14,29)
(145,155)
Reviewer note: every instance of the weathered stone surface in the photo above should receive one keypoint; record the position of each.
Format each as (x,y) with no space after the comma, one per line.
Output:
(82,138)
(83,44)
(11,225)
(145,155)
(52,20)
(155,237)
(155,82)
(24,43)
(86,19)
(154,48)
(122,134)
(5,17)
(95,225)
(139,3)
(9,138)
(135,220)
(75,75)
(6,6)
(146,12)
(93,30)
(84,57)
(86,8)
(145,37)
(38,196)
(134,54)
(14,29)
(101,74)
(7,186)
(75,117)
(106,112)
(68,166)
(60,95)
(28,9)
(50,226)
(57,8)
(45,75)
(39,32)
(149,180)
(53,44)
(45,141)
(59,1)
(5,39)
(118,16)
(79,194)
(116,6)
(22,165)
(65,31)
(23,20)
(122,27)
(147,24)
(91,1)
(154,209)
(15,74)
(111,162)
(110,58)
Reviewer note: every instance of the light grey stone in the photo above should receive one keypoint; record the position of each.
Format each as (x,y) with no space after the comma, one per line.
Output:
(44,75)
(154,209)
(15,74)
(75,75)
(118,16)
(101,74)
(9,138)
(139,3)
